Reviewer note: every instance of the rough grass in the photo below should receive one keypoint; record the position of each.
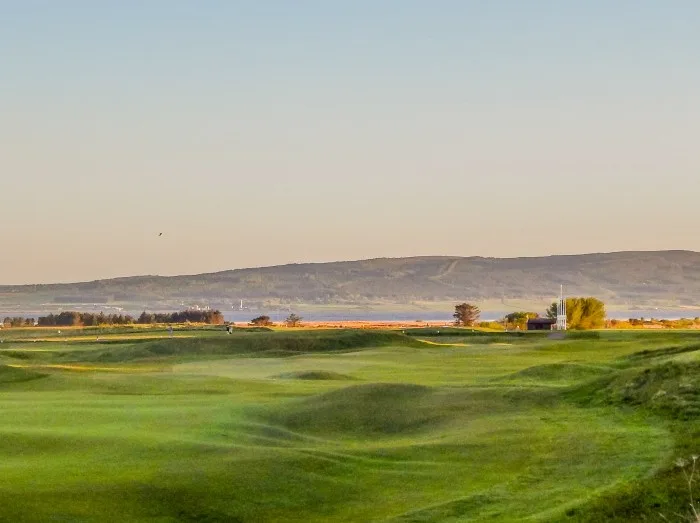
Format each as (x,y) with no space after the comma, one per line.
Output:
(669,389)
(348,426)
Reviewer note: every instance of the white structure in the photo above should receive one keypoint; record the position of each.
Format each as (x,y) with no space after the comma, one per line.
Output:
(561,311)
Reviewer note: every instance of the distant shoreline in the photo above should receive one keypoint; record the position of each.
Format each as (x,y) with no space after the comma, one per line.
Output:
(351,315)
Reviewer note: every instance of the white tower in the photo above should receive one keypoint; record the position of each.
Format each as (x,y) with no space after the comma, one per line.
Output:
(561,311)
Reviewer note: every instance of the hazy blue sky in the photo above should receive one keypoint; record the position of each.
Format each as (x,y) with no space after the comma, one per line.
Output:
(266,132)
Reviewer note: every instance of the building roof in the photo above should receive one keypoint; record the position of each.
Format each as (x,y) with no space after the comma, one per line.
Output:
(541,321)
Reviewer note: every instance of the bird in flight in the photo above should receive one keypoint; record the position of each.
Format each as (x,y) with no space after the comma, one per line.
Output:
(160,234)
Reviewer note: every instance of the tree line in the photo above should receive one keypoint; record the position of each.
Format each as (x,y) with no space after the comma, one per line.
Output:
(84,319)
(18,321)
(293,320)
(212,317)
(89,319)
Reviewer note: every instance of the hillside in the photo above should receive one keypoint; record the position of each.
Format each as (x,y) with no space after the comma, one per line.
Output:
(662,278)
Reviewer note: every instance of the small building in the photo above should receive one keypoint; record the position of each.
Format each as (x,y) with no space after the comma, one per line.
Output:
(540,324)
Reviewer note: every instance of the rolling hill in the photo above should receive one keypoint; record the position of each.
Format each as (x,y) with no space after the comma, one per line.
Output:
(661,278)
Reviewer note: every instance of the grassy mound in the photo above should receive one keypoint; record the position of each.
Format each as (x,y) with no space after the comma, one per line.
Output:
(313,375)
(472,334)
(256,343)
(372,410)
(558,372)
(16,375)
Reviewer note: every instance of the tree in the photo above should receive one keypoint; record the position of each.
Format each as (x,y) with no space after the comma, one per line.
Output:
(68,319)
(261,321)
(552,311)
(519,319)
(17,321)
(466,314)
(293,320)
(146,318)
(581,313)
(215,317)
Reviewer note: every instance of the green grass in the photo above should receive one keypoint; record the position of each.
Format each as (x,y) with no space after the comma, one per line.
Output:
(345,426)
(10,374)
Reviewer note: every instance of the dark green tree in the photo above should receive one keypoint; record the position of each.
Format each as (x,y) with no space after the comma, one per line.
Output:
(293,320)
(68,319)
(146,318)
(552,311)
(261,321)
(466,314)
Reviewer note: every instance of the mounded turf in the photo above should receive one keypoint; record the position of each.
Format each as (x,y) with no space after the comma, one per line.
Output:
(9,374)
(346,426)
(312,375)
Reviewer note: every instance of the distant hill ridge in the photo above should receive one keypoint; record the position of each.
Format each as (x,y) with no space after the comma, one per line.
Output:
(634,277)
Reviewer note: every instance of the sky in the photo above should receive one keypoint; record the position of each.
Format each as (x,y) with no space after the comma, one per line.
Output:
(265,132)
